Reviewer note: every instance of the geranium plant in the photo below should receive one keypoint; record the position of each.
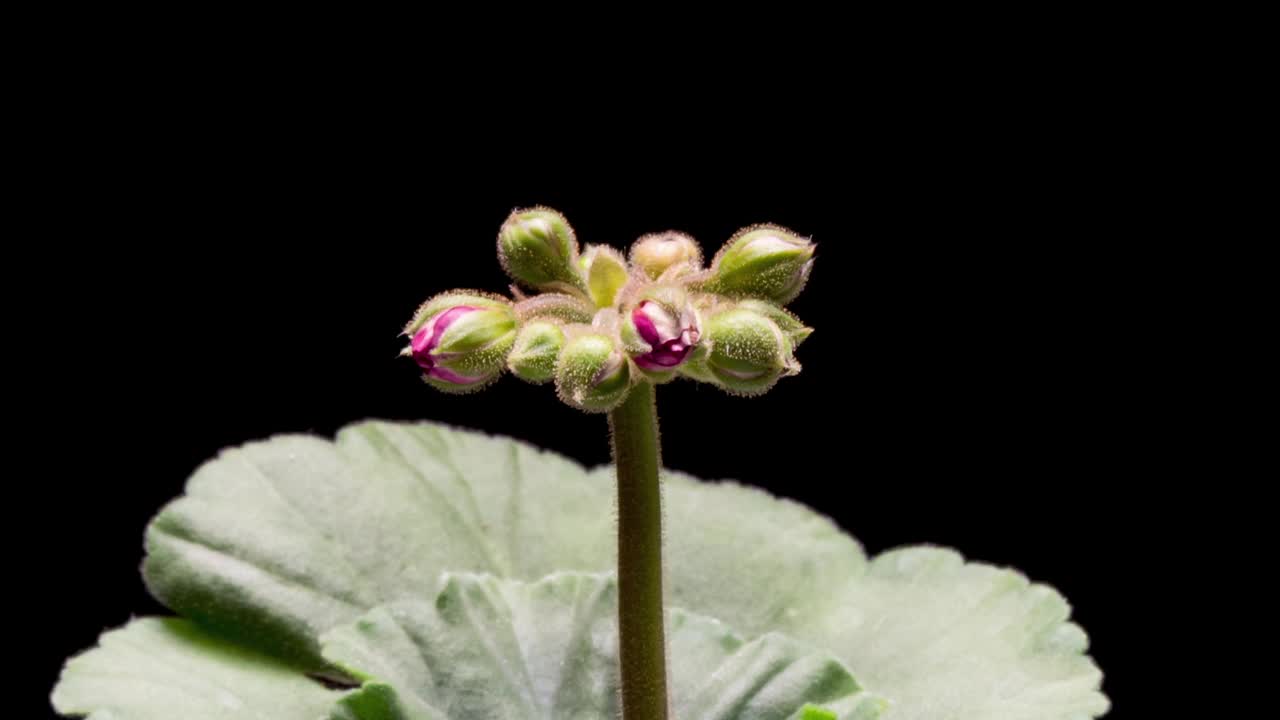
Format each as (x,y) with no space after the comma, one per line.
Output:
(420,572)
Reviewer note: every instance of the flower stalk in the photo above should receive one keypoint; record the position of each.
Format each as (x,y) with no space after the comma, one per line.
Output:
(633,428)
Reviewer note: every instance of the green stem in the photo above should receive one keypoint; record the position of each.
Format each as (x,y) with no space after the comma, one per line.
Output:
(641,622)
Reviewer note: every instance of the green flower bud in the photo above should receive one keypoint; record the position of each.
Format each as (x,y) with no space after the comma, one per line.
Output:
(558,306)
(592,374)
(695,366)
(786,321)
(657,253)
(748,351)
(461,340)
(605,272)
(537,347)
(764,261)
(538,249)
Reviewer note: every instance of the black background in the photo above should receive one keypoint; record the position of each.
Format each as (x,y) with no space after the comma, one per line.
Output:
(971,381)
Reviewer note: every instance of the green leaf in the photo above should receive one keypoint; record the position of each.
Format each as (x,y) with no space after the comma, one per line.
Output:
(162,669)
(486,648)
(284,539)
(509,650)
(944,638)
(279,541)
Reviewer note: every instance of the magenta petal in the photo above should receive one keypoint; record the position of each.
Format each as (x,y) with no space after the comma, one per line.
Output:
(669,345)
(647,363)
(664,357)
(644,325)
(426,339)
(447,318)
(670,358)
(421,346)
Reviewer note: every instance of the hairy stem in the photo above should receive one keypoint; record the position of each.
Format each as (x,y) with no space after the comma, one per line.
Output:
(636,454)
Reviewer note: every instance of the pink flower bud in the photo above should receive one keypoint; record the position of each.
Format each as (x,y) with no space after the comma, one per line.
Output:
(428,339)
(670,336)
(461,347)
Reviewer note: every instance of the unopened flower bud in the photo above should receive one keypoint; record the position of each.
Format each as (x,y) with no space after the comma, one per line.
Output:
(659,252)
(748,352)
(537,248)
(461,340)
(765,261)
(592,373)
(786,321)
(557,306)
(537,347)
(605,272)
(661,331)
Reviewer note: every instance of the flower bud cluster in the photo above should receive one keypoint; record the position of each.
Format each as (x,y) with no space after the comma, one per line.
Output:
(597,323)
